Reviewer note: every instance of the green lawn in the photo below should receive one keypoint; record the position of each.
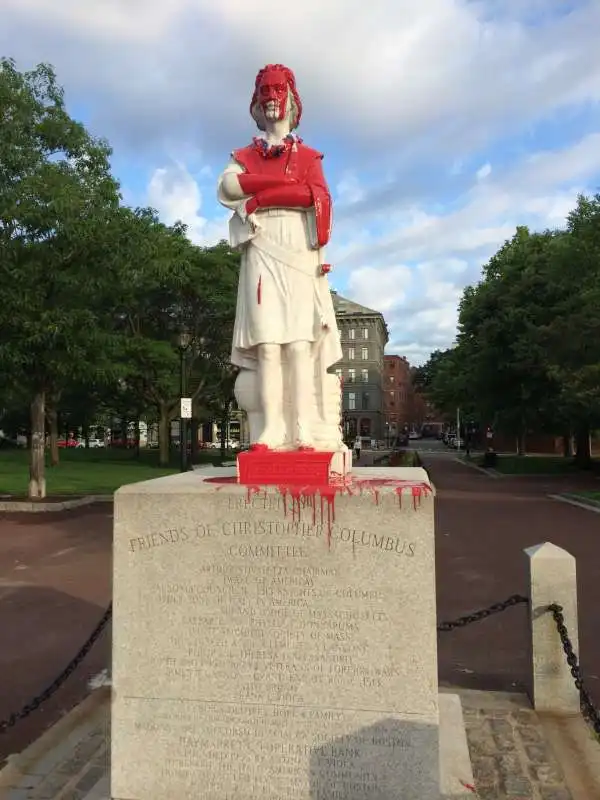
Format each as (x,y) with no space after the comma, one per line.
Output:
(535,465)
(595,496)
(90,471)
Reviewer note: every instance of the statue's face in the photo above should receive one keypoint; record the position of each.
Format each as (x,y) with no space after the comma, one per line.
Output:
(273,95)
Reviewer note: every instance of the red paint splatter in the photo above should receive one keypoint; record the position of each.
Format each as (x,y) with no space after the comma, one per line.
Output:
(468,786)
(297,497)
(250,491)
(259,290)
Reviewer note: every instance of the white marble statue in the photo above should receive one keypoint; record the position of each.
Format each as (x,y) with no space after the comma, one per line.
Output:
(285,334)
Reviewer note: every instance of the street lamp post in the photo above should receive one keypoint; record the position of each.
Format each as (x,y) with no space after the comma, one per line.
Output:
(185,403)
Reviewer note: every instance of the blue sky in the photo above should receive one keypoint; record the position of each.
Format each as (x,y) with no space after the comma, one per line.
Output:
(445,123)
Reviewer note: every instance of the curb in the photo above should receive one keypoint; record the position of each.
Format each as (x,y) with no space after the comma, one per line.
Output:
(576,500)
(491,473)
(57,738)
(31,507)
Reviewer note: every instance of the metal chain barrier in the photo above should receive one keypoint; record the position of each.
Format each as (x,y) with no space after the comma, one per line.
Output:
(589,711)
(476,616)
(37,701)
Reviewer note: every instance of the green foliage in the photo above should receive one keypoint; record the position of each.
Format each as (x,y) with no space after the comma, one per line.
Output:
(527,355)
(56,198)
(94,294)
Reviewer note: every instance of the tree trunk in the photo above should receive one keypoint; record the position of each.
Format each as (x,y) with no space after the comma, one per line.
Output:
(194,440)
(37,478)
(137,437)
(224,428)
(521,444)
(566,445)
(164,425)
(53,424)
(583,452)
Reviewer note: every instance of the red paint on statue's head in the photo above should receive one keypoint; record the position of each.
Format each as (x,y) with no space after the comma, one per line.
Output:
(276,84)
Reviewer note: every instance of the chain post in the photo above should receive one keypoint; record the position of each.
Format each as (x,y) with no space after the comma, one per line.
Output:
(588,710)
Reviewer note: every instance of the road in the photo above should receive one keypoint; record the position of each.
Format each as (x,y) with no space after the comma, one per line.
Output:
(55,582)
(483,526)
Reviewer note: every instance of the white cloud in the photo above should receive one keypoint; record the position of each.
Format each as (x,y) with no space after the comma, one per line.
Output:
(412,120)
(445,251)
(176,195)
(412,86)
(348,189)
(381,289)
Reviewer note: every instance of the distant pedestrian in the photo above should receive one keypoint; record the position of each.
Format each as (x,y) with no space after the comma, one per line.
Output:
(357,446)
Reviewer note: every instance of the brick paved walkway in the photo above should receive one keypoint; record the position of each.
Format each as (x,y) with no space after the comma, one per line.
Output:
(510,755)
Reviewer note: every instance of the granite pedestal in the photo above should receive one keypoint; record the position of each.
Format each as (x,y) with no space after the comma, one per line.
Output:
(273,643)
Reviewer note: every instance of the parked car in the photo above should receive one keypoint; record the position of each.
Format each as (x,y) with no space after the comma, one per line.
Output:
(68,443)
(95,443)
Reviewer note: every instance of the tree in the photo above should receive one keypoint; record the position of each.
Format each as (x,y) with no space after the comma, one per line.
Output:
(572,333)
(499,335)
(56,198)
(173,287)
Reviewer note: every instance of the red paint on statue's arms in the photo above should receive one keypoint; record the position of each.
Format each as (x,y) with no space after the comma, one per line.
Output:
(296,196)
(321,200)
(252,183)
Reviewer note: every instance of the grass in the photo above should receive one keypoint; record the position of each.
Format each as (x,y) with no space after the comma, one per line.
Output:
(83,471)
(535,465)
(594,496)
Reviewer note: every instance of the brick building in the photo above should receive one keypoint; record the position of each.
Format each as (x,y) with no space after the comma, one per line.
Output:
(397,395)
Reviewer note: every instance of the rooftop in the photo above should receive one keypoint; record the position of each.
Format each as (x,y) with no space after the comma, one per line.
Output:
(344,306)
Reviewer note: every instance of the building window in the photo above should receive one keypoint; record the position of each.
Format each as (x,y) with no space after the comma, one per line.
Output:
(365,401)
(365,333)
(350,354)
(352,401)
(365,354)
(365,427)
(391,378)
(339,374)
(351,376)
(351,333)
(364,374)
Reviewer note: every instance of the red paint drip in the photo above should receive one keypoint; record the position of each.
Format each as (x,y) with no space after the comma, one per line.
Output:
(259,290)
(468,786)
(295,497)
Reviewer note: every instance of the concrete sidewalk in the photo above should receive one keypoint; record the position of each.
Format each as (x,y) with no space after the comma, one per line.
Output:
(515,754)
(69,762)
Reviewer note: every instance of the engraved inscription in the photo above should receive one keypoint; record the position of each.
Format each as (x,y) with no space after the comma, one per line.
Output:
(266,530)
(272,630)
(238,750)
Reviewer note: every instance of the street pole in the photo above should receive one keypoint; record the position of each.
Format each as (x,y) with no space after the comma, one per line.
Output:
(182,420)
(458,428)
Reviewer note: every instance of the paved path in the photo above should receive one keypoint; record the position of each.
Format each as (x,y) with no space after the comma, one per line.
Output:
(54,586)
(483,526)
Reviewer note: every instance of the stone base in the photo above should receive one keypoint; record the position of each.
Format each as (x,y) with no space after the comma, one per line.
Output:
(263,467)
(456,772)
(276,641)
